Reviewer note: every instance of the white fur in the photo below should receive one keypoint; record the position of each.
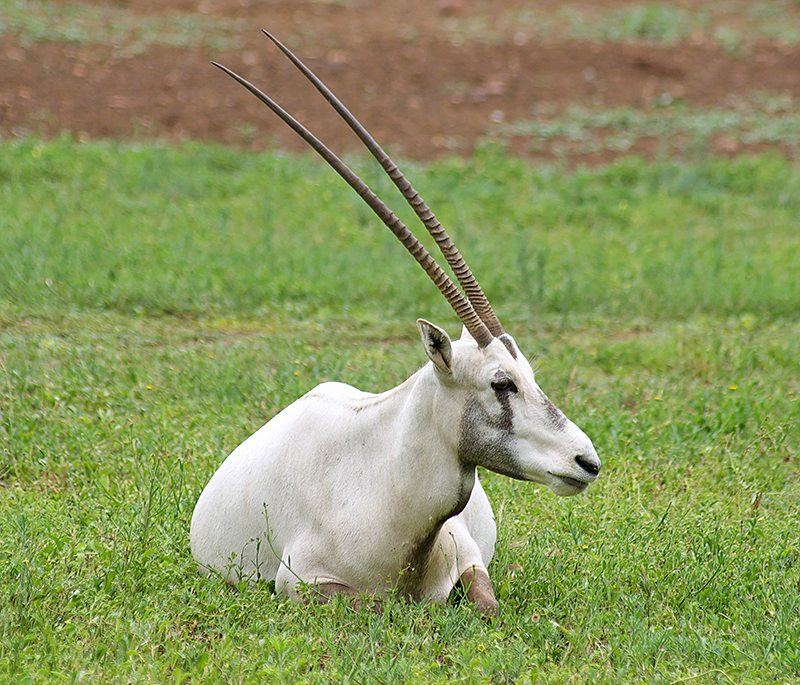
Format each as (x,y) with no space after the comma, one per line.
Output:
(343,486)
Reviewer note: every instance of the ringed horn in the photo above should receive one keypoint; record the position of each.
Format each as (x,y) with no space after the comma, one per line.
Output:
(473,309)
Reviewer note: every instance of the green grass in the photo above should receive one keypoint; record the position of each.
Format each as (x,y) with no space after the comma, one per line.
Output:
(757,121)
(36,21)
(204,230)
(727,23)
(730,24)
(158,304)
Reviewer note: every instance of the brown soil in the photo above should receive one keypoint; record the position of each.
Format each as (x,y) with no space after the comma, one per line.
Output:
(422,86)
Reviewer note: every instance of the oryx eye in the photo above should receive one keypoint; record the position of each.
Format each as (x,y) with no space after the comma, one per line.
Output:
(504,385)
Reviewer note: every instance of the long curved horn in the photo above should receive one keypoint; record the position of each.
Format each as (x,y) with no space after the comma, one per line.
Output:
(468,282)
(460,304)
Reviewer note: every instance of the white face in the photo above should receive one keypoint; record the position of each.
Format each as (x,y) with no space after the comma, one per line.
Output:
(509,426)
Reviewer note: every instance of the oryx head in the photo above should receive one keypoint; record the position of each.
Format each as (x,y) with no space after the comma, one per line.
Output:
(506,423)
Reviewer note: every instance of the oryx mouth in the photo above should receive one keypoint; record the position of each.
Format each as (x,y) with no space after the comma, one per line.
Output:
(572,482)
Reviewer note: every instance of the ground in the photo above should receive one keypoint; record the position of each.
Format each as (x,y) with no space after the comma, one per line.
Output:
(427,78)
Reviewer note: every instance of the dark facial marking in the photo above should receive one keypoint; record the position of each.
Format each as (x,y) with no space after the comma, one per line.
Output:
(486,440)
(504,387)
(510,346)
(505,422)
(555,415)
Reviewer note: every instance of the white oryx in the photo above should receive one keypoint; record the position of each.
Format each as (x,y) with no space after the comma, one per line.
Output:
(352,492)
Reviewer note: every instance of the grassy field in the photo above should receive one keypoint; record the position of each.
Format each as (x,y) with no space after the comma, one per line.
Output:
(729,23)
(158,304)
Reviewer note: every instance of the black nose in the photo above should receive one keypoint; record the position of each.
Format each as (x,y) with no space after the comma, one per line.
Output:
(590,465)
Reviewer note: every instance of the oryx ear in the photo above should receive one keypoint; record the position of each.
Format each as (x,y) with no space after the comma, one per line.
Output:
(437,345)
(466,335)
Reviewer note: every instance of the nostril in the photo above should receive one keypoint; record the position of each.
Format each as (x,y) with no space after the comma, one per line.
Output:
(588,465)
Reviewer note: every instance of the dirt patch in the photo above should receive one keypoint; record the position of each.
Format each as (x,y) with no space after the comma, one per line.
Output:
(427,78)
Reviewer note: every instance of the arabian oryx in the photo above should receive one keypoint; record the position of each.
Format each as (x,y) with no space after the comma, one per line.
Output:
(349,492)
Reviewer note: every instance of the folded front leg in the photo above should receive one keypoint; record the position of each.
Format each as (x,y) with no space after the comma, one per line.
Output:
(478,587)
